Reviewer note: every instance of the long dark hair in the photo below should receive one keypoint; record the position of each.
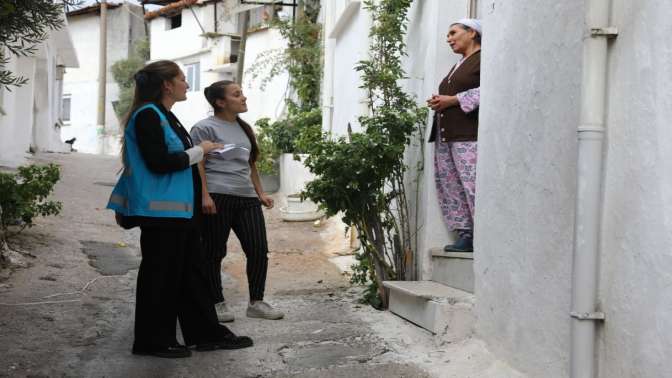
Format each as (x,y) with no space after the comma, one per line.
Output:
(217,91)
(149,89)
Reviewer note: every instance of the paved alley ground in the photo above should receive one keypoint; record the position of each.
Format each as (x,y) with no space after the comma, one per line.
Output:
(70,311)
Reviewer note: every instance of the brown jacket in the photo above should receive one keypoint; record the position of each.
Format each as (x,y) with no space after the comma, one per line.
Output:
(454,124)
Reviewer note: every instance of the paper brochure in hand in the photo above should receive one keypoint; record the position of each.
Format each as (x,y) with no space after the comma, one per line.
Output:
(231,151)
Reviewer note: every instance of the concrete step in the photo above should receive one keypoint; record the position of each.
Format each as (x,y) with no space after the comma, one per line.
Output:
(433,306)
(454,269)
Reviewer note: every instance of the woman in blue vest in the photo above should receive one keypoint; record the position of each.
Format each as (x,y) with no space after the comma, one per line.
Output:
(158,191)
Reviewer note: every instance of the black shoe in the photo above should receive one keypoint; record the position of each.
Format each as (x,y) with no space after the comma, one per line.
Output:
(227,341)
(176,351)
(461,245)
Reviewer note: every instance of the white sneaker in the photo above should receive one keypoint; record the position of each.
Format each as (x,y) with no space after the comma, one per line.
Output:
(263,310)
(224,315)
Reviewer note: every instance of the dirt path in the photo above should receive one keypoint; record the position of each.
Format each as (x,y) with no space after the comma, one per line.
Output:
(326,333)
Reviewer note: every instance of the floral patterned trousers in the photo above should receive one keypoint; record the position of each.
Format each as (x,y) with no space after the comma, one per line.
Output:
(455,176)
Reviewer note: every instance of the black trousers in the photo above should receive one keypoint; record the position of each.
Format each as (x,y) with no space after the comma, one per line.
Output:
(172,285)
(244,216)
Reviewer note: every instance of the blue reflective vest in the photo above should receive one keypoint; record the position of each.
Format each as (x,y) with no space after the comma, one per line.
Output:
(140,192)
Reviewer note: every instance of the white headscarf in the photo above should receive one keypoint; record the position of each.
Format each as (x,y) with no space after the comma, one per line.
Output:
(471,23)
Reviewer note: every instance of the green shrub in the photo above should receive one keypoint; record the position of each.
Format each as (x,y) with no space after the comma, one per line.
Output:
(302,61)
(123,71)
(364,176)
(23,196)
(267,163)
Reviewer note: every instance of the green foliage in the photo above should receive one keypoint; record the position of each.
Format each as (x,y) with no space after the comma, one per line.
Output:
(362,274)
(294,134)
(302,61)
(267,162)
(24,25)
(363,176)
(123,71)
(23,196)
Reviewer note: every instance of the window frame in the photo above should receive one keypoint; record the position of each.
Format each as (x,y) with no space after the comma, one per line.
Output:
(193,76)
(172,20)
(64,97)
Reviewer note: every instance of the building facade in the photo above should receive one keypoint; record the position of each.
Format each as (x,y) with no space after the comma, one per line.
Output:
(125,27)
(531,105)
(31,117)
(527,186)
(204,38)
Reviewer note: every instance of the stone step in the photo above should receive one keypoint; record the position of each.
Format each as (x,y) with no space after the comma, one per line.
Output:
(433,306)
(454,269)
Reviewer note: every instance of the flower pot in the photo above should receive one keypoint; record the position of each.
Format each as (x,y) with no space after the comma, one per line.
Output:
(293,174)
(298,210)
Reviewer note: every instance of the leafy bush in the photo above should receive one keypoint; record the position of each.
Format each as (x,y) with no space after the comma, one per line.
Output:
(123,71)
(301,59)
(23,196)
(267,163)
(291,135)
(363,176)
(23,26)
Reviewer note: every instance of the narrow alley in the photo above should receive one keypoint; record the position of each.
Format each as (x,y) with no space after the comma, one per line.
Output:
(69,312)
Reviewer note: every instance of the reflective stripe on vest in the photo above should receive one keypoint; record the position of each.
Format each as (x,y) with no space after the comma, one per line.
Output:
(119,200)
(169,206)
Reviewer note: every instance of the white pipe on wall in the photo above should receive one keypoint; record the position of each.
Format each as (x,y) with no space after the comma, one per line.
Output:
(590,132)
(328,73)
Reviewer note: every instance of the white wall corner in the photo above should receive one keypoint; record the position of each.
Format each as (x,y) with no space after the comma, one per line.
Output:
(344,19)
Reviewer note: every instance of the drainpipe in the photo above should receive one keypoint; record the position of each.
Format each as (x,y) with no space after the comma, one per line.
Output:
(591,130)
(328,72)
(102,76)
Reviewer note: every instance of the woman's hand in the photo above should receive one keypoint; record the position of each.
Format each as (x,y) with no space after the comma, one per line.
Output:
(208,205)
(208,146)
(440,102)
(266,201)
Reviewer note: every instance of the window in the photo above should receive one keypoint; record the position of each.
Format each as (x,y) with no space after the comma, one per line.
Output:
(194,76)
(235,47)
(65,108)
(174,22)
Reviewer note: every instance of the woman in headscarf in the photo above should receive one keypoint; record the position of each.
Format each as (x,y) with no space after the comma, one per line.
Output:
(455,131)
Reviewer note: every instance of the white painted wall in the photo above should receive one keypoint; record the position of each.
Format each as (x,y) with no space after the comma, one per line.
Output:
(187,45)
(636,239)
(182,41)
(270,101)
(526,185)
(213,56)
(293,175)
(17,124)
(526,181)
(32,111)
(350,46)
(123,30)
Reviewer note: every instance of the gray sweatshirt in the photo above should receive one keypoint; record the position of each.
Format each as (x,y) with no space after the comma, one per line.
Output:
(228,172)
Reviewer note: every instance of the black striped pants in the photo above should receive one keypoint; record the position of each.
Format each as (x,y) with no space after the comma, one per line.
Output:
(244,216)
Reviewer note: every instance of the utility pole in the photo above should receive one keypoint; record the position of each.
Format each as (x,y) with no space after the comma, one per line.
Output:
(241,49)
(102,73)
